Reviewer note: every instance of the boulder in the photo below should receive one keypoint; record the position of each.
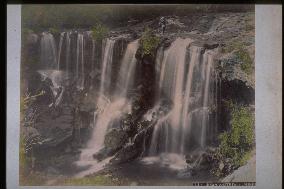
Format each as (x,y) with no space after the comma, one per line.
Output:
(103,153)
(186,173)
(115,139)
(32,39)
(231,70)
(127,153)
(221,166)
(52,171)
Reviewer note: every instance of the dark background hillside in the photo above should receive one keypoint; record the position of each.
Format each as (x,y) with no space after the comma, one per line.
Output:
(41,17)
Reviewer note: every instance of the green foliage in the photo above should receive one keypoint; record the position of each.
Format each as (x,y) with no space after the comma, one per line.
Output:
(99,31)
(90,181)
(231,46)
(149,42)
(246,60)
(54,31)
(242,54)
(237,143)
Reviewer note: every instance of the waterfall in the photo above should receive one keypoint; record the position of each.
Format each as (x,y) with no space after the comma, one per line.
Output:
(184,79)
(195,57)
(110,111)
(82,62)
(48,51)
(92,73)
(68,41)
(80,73)
(209,61)
(60,48)
(56,76)
(106,66)
(105,112)
(127,69)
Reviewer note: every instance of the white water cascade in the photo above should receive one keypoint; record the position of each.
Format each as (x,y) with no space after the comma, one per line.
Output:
(106,66)
(59,49)
(184,79)
(127,70)
(93,67)
(109,111)
(80,72)
(48,55)
(68,41)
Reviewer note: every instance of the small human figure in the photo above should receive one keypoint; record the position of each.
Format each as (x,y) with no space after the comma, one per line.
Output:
(162,24)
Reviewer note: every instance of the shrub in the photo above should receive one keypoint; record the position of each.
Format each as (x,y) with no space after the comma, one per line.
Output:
(149,42)
(246,60)
(237,143)
(242,54)
(54,31)
(99,32)
(233,45)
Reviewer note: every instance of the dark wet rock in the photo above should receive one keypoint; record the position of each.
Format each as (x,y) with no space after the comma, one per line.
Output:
(88,103)
(198,160)
(127,124)
(127,153)
(55,132)
(231,70)
(221,166)
(205,44)
(47,97)
(235,84)
(32,39)
(104,153)
(115,139)
(136,147)
(186,173)
(52,171)
(189,158)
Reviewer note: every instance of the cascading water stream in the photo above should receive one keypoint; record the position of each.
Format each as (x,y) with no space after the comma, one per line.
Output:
(195,57)
(171,85)
(82,62)
(108,111)
(106,67)
(48,51)
(77,56)
(113,110)
(127,69)
(80,73)
(185,80)
(93,63)
(68,41)
(209,61)
(60,48)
